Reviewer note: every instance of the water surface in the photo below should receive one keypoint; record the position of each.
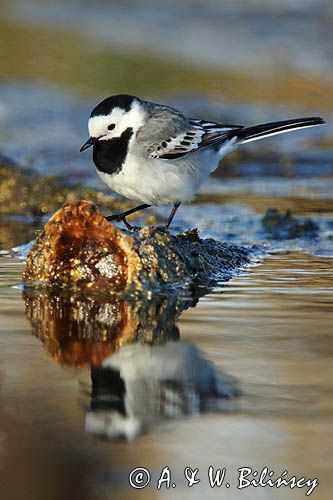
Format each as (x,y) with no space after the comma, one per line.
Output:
(267,333)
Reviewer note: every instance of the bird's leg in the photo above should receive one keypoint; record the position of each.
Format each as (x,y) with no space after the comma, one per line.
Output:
(122,217)
(172,214)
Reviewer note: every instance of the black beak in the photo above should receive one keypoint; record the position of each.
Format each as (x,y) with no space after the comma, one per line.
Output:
(90,142)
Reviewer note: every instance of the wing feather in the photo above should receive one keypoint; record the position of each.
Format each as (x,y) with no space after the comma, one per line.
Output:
(199,134)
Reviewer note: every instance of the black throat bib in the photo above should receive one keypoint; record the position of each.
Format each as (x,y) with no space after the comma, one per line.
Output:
(109,156)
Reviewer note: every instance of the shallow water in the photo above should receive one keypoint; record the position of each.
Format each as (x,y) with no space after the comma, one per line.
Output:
(267,334)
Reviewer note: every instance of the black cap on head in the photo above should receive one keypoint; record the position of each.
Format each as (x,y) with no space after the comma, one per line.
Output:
(123,101)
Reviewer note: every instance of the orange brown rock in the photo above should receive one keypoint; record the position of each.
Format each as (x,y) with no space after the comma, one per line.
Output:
(78,248)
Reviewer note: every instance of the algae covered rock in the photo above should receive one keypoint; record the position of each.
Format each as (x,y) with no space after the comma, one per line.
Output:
(80,249)
(280,225)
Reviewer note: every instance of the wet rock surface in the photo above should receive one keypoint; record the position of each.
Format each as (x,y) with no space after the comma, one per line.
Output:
(79,249)
(280,225)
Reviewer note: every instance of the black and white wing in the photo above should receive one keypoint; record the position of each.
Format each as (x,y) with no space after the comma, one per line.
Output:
(199,134)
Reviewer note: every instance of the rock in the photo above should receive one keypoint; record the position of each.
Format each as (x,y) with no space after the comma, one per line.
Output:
(80,249)
(286,226)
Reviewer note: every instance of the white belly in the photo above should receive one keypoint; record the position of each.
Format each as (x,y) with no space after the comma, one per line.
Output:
(160,182)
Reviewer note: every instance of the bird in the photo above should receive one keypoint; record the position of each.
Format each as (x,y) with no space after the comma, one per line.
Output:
(153,154)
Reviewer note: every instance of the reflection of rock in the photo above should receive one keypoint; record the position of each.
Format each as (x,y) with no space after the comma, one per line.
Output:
(79,329)
(140,384)
(79,249)
(286,226)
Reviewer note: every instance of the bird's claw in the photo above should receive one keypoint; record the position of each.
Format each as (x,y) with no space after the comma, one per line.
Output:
(122,218)
(129,226)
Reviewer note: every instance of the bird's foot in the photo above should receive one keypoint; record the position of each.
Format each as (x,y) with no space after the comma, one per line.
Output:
(122,218)
(129,226)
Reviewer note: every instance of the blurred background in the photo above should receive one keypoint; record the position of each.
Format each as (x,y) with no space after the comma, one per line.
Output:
(240,61)
(257,51)
(227,59)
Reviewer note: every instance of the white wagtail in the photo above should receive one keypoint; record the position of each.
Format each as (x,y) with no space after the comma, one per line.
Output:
(153,154)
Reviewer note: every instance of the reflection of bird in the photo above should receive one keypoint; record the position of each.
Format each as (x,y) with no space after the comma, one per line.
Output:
(154,155)
(140,383)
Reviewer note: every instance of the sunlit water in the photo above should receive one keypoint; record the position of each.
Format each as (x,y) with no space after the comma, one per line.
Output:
(266,336)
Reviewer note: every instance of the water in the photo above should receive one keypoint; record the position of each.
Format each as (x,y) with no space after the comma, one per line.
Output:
(266,335)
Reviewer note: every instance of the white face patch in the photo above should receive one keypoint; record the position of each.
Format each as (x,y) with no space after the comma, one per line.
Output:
(134,118)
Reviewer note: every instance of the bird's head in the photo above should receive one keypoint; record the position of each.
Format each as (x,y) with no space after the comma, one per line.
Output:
(114,116)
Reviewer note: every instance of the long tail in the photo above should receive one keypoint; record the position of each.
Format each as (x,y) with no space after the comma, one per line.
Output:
(257,132)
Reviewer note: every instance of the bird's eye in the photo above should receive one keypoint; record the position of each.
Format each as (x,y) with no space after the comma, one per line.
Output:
(111,126)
